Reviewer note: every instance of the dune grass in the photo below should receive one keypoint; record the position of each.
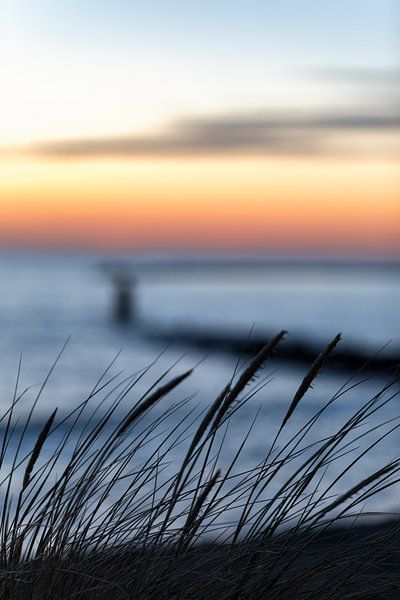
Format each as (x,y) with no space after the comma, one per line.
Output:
(107,514)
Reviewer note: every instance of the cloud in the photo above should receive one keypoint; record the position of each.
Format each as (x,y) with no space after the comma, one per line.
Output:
(377,77)
(247,133)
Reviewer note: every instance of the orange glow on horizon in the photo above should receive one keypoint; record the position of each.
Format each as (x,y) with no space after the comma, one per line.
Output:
(257,204)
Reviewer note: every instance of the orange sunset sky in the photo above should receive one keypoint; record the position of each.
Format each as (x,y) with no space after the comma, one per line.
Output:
(232,127)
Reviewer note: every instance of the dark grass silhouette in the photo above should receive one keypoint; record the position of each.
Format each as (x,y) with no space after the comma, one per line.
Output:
(105,516)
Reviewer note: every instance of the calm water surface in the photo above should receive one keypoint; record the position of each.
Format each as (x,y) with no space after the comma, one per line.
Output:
(46,299)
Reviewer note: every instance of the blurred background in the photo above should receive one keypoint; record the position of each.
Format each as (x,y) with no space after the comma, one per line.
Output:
(197,176)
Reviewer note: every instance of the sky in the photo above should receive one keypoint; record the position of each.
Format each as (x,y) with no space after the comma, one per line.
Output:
(251,126)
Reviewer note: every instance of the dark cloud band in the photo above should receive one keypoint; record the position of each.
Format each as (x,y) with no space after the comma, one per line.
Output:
(258,133)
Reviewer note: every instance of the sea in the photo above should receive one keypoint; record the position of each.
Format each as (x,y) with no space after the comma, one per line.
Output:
(52,303)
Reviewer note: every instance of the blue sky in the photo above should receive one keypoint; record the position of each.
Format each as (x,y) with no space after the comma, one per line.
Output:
(99,67)
(164,122)
(359,31)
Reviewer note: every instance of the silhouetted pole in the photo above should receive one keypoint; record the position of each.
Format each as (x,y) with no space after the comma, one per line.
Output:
(123,301)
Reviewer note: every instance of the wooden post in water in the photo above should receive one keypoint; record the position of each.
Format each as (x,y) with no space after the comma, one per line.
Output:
(123,297)
(123,281)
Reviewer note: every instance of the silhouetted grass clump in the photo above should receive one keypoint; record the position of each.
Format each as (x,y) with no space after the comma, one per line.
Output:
(96,508)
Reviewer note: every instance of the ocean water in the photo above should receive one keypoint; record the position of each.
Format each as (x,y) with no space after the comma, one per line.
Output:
(48,299)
